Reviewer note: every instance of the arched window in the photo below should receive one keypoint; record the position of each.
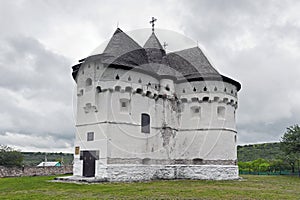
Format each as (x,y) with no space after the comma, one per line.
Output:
(194,89)
(139,91)
(216,98)
(145,121)
(140,80)
(195,99)
(88,82)
(129,78)
(117,77)
(205,89)
(128,89)
(98,89)
(184,100)
(117,88)
(183,91)
(205,99)
(215,89)
(167,88)
(197,161)
(148,93)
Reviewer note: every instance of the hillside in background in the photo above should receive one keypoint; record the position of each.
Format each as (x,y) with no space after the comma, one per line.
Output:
(34,158)
(267,151)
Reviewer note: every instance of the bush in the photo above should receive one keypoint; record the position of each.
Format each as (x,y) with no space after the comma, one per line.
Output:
(10,157)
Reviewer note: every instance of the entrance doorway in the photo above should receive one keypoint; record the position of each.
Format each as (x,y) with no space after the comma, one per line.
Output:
(89,162)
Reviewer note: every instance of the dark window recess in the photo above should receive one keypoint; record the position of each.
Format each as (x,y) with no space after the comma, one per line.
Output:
(140,81)
(205,99)
(149,84)
(128,89)
(194,89)
(139,91)
(184,100)
(197,161)
(88,82)
(205,89)
(148,93)
(231,91)
(225,90)
(183,91)
(117,77)
(90,136)
(98,89)
(124,104)
(145,123)
(215,89)
(118,88)
(129,78)
(167,88)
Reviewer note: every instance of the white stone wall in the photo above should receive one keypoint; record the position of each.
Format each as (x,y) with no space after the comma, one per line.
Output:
(189,135)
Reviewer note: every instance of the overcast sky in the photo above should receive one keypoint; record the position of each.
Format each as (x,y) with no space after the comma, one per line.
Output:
(254,42)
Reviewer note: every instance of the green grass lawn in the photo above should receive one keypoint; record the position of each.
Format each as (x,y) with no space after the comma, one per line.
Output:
(251,187)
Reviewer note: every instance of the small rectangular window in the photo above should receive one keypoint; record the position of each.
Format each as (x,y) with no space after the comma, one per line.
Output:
(90,136)
(124,105)
(145,121)
(196,111)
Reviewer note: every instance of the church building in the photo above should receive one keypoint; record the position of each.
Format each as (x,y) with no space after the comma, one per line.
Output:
(145,114)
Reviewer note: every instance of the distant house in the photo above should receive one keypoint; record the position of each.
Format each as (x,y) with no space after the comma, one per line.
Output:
(49,164)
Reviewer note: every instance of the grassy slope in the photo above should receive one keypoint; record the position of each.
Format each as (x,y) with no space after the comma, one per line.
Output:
(268,151)
(251,187)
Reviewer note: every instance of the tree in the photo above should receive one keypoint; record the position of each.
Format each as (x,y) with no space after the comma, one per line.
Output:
(10,157)
(290,145)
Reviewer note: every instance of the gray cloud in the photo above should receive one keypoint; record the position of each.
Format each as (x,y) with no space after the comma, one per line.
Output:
(35,93)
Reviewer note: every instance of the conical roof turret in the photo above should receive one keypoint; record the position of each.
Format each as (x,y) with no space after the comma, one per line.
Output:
(154,49)
(123,50)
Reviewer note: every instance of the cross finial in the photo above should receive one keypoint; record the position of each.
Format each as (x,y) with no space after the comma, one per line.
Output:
(152,22)
(165,45)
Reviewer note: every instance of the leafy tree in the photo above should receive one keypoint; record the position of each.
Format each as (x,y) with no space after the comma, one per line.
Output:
(10,157)
(290,144)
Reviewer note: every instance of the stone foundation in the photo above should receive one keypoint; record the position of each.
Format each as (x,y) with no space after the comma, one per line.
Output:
(131,173)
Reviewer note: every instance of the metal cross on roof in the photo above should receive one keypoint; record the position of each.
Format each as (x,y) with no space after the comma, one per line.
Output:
(152,22)
(165,45)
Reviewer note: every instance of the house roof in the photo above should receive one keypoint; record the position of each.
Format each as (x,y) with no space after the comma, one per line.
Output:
(48,164)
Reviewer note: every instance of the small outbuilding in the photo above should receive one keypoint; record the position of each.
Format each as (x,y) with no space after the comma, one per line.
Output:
(49,164)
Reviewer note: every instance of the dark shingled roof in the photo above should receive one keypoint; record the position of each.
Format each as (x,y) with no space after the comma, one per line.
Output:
(123,50)
(186,65)
(192,63)
(155,51)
